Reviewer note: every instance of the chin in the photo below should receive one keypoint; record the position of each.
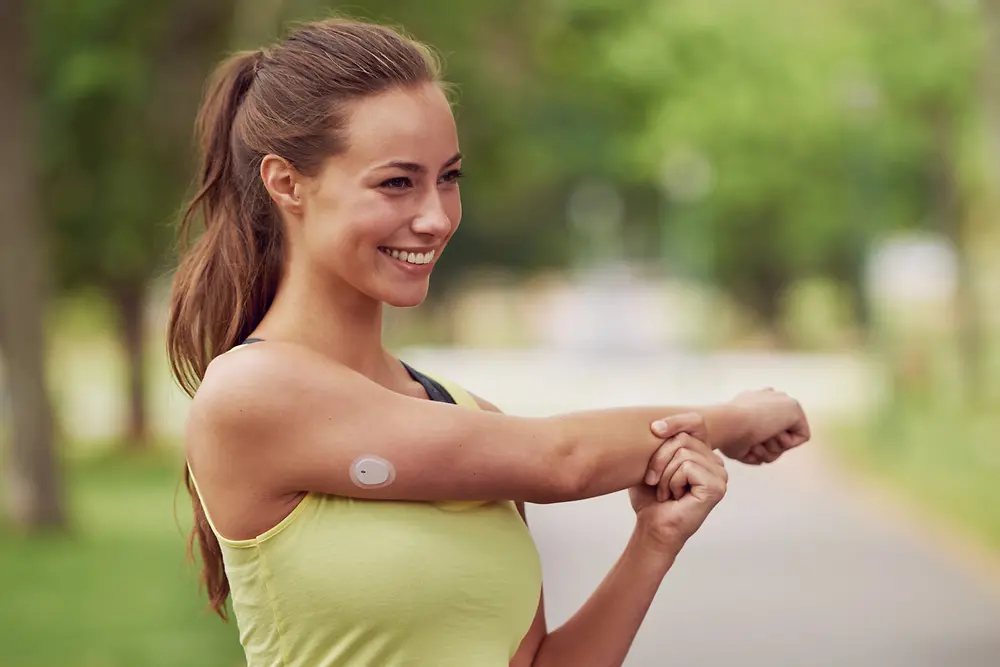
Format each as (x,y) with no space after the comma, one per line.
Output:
(406,298)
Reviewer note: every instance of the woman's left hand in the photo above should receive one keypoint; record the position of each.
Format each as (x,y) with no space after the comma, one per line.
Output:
(694,481)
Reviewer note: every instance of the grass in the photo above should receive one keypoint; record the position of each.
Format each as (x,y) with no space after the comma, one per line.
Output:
(117,591)
(945,457)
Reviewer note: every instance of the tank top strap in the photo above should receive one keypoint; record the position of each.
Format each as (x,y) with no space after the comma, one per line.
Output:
(435,390)
(201,501)
(440,389)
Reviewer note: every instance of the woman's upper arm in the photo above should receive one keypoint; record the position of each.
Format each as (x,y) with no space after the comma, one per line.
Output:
(286,419)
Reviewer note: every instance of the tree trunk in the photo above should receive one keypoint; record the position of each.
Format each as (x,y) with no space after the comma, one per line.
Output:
(130,300)
(34,487)
(953,213)
(990,86)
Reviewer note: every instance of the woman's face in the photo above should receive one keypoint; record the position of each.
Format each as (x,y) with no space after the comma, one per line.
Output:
(378,216)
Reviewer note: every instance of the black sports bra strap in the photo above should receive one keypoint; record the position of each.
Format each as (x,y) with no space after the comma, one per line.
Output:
(433,388)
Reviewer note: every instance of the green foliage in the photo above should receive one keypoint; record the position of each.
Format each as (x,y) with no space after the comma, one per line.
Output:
(117,592)
(754,145)
(116,131)
(788,137)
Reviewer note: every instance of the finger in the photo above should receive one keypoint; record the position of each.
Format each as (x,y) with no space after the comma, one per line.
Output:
(686,422)
(762,454)
(678,482)
(789,440)
(705,484)
(689,449)
(774,447)
(801,428)
(800,433)
(661,457)
(666,487)
(693,442)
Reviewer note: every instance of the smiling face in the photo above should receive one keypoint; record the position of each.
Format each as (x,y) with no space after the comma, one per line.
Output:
(377,216)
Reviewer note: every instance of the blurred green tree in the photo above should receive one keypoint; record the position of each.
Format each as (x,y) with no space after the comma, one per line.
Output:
(32,470)
(932,62)
(754,128)
(122,81)
(786,140)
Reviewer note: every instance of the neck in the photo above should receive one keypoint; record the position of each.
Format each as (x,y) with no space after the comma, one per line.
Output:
(341,323)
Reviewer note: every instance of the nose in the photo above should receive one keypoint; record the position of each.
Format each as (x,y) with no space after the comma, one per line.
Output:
(433,218)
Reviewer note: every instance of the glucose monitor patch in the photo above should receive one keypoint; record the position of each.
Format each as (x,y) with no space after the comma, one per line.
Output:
(371,471)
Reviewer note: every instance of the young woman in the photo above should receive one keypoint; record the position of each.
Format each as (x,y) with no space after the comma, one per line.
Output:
(358,511)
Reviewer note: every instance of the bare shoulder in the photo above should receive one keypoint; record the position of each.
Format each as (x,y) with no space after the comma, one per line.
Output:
(251,388)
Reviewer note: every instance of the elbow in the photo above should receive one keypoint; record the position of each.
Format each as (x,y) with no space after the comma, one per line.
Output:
(571,471)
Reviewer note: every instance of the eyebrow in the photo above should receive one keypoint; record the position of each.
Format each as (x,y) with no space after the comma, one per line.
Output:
(417,168)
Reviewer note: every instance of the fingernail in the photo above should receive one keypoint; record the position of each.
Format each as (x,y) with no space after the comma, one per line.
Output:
(651,477)
(660,427)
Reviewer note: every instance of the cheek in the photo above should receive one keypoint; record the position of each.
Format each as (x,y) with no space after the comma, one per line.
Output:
(353,224)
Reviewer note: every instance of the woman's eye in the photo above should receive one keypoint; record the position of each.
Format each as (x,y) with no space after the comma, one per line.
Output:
(452,176)
(397,183)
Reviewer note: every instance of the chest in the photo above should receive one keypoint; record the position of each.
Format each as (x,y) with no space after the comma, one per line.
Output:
(409,569)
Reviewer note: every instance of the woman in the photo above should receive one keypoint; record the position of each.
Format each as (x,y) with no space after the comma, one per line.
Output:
(330,187)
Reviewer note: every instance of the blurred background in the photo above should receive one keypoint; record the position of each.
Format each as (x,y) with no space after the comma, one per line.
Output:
(667,201)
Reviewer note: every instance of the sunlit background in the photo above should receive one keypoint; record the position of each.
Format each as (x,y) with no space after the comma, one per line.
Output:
(667,201)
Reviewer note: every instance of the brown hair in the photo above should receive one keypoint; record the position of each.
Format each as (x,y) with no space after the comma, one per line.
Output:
(289,100)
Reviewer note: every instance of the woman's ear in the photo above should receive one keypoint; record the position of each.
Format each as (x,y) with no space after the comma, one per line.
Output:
(282,183)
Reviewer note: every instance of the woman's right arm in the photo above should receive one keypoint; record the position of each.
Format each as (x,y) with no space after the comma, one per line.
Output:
(282,418)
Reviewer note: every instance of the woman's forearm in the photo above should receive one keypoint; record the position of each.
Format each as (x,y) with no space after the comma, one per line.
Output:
(610,449)
(601,632)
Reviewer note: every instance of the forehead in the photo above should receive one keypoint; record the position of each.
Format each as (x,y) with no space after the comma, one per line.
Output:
(413,124)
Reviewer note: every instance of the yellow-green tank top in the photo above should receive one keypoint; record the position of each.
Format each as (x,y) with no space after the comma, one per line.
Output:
(342,582)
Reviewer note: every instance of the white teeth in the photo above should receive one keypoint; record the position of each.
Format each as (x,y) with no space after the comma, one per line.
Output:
(412,257)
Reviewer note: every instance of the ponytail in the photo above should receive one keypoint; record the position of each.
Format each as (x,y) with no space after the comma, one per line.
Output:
(227,279)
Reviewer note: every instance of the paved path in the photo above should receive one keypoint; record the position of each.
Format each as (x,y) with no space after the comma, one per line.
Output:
(791,570)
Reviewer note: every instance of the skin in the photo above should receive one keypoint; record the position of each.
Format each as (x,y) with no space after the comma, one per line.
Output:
(336,393)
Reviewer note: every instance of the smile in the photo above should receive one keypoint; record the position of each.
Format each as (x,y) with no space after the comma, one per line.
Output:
(409,257)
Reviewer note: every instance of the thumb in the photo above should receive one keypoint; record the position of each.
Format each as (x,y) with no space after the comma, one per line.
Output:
(687,422)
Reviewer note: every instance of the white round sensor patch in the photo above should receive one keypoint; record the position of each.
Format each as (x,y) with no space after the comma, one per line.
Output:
(371,471)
